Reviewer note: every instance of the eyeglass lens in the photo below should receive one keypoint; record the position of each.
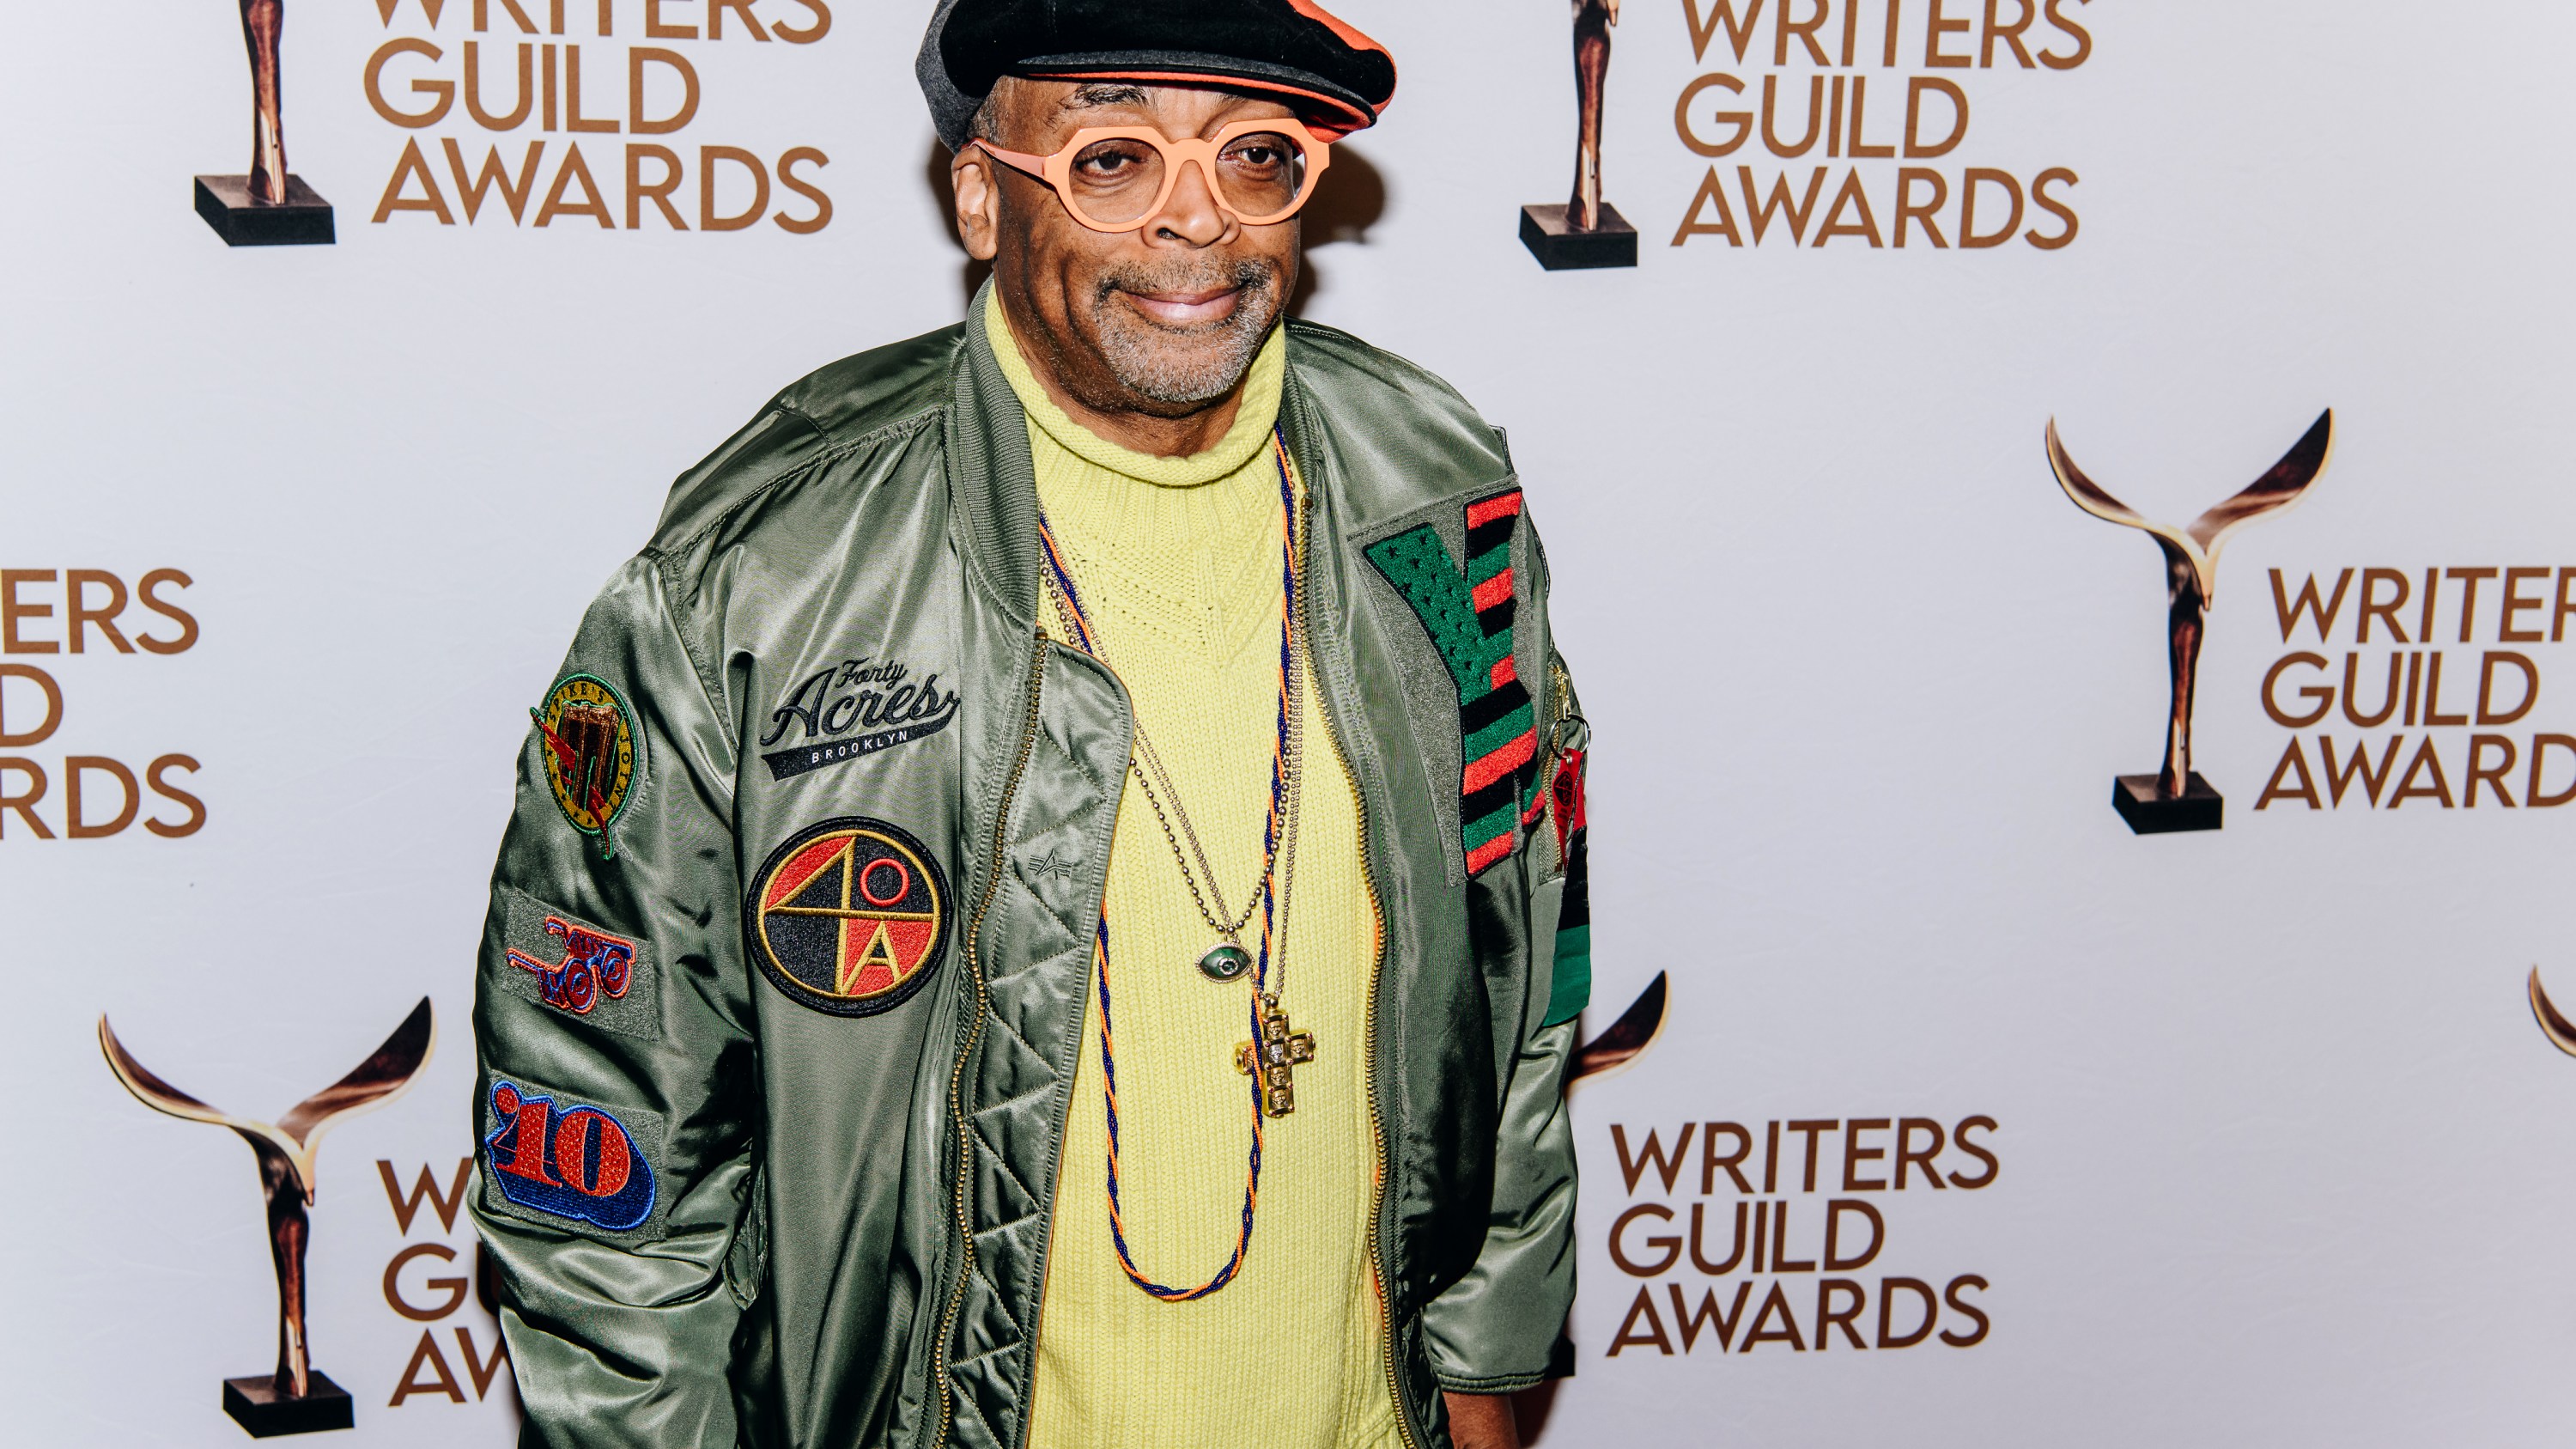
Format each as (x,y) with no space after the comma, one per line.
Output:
(1258,174)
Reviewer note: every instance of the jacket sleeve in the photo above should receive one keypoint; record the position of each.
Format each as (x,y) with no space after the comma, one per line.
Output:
(1502,1327)
(616,1093)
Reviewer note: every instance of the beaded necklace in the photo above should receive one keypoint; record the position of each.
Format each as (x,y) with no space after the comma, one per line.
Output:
(1268,1057)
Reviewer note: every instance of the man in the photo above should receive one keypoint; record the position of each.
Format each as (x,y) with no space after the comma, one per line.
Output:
(1032,914)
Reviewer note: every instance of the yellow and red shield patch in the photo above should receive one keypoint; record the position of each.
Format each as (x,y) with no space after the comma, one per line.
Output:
(849,916)
(592,753)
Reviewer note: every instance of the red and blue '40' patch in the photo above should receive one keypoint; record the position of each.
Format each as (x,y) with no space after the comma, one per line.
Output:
(568,1162)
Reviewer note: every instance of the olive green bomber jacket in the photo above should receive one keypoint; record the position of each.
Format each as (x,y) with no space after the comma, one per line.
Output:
(781,988)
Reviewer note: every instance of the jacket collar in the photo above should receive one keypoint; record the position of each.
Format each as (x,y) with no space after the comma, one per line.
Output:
(991,477)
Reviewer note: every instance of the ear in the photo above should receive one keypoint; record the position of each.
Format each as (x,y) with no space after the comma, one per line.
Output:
(979,202)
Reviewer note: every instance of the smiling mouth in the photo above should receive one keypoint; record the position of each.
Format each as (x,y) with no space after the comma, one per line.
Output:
(1192,308)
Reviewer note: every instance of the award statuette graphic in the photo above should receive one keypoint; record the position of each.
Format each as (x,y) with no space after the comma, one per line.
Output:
(1624,1040)
(1586,231)
(298,1398)
(2560,1031)
(271,206)
(2176,798)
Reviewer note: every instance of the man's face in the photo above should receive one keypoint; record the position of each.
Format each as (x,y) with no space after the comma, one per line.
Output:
(1161,320)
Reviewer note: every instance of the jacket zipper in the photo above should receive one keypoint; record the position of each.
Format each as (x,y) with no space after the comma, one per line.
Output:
(1063,1122)
(966,1050)
(1377,1117)
(1377,1131)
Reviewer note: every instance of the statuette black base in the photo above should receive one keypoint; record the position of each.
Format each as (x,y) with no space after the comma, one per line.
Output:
(2134,796)
(1560,248)
(255,1404)
(303,219)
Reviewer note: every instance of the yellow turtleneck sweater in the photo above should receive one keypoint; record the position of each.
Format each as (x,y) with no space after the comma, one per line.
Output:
(1177,562)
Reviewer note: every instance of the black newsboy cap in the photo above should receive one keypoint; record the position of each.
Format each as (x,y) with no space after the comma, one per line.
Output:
(1337,78)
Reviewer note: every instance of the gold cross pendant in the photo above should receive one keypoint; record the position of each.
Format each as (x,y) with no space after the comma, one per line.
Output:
(1278,1051)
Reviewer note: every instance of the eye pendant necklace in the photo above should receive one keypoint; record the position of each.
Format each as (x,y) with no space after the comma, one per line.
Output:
(1276,1048)
(1227,960)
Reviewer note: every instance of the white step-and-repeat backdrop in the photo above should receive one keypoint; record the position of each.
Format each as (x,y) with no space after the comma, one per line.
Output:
(1977,1117)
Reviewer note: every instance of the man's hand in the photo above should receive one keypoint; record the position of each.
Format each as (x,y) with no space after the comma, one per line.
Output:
(1482,1421)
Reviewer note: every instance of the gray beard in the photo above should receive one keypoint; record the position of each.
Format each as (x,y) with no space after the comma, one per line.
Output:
(1179,366)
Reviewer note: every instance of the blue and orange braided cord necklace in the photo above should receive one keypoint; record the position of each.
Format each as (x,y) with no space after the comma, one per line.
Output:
(1267,1059)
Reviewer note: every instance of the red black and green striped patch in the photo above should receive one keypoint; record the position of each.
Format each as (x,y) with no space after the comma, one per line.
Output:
(1468,613)
(1570,984)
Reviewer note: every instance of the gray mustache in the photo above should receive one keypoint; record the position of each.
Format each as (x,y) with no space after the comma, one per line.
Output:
(1249,277)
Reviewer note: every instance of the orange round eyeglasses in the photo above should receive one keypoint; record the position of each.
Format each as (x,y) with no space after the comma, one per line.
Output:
(1117,178)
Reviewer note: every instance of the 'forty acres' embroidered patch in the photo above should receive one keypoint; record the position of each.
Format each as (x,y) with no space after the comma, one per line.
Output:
(1469,617)
(593,755)
(561,1162)
(849,916)
(854,708)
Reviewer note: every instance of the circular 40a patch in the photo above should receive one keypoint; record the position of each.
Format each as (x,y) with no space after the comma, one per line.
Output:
(593,754)
(849,916)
